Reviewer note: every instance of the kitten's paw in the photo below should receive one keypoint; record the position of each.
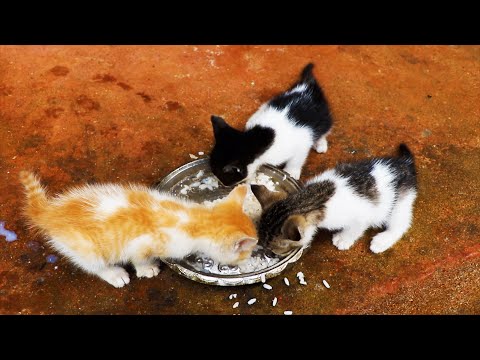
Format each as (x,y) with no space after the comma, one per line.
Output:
(283,247)
(321,146)
(115,276)
(341,243)
(294,173)
(148,271)
(381,242)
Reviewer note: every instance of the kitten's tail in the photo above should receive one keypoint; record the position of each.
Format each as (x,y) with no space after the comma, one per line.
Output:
(36,196)
(307,75)
(404,151)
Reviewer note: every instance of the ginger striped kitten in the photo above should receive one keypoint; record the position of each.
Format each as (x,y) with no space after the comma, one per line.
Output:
(101,226)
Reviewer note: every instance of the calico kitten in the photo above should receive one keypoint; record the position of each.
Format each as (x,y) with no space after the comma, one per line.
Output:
(99,226)
(351,198)
(280,133)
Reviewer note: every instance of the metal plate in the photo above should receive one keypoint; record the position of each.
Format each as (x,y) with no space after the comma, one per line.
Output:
(185,175)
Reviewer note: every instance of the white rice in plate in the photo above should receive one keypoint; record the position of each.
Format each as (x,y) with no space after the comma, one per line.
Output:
(210,183)
(260,258)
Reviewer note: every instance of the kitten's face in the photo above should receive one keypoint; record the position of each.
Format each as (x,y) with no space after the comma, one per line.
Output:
(288,237)
(281,238)
(234,235)
(228,159)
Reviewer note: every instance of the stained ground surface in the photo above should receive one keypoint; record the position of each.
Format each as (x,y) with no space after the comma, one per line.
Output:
(116,113)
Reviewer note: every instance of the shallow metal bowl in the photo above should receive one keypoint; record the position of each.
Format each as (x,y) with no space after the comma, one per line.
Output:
(185,175)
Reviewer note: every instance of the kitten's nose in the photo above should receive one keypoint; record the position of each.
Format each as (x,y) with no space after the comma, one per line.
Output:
(229,185)
(231,169)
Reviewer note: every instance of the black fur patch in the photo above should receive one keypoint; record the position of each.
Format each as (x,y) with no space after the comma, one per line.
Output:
(405,173)
(234,150)
(359,177)
(311,198)
(308,108)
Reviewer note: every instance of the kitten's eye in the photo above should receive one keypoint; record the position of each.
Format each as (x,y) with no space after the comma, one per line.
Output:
(231,169)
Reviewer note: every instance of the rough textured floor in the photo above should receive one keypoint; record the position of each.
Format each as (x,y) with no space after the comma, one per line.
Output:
(121,113)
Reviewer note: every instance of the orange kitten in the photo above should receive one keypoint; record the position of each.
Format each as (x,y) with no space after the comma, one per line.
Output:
(99,226)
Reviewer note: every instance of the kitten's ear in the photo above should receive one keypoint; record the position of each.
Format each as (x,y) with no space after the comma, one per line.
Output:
(291,227)
(266,197)
(218,124)
(283,247)
(245,244)
(238,194)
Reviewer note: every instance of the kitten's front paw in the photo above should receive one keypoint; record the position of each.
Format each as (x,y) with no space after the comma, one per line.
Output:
(115,276)
(294,173)
(321,146)
(283,247)
(341,243)
(148,271)
(380,243)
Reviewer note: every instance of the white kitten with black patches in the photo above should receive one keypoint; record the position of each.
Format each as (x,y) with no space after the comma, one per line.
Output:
(280,133)
(350,198)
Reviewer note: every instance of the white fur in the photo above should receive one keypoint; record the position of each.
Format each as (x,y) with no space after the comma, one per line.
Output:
(182,216)
(299,88)
(354,214)
(109,202)
(398,224)
(308,234)
(91,264)
(133,246)
(106,199)
(147,270)
(114,275)
(180,243)
(321,146)
(291,143)
(144,267)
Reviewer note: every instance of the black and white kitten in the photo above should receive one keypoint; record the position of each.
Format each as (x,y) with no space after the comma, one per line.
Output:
(352,197)
(280,133)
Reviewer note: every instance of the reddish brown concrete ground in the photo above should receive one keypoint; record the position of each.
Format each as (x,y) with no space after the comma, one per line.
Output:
(117,113)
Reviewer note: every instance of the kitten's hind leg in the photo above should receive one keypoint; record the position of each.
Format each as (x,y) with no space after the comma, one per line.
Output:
(91,262)
(397,226)
(114,275)
(321,146)
(146,268)
(344,239)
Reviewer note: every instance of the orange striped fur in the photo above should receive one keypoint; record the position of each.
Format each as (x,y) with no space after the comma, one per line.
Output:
(98,226)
